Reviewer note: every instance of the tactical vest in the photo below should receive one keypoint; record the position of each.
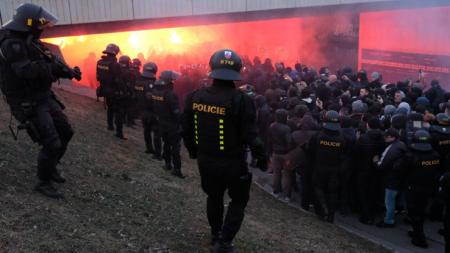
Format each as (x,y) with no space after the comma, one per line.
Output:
(425,168)
(329,149)
(13,86)
(216,126)
(161,106)
(141,88)
(104,68)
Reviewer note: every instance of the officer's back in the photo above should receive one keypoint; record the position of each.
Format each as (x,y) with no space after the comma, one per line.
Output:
(108,69)
(165,101)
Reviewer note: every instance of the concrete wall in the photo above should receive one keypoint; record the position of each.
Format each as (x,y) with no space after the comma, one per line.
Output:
(91,11)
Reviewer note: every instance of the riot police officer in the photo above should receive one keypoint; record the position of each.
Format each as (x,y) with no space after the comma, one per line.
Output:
(167,109)
(112,88)
(27,73)
(422,165)
(143,90)
(136,65)
(326,150)
(128,78)
(444,194)
(440,136)
(440,140)
(219,124)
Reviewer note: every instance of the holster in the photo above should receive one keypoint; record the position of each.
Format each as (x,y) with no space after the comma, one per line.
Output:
(28,111)
(31,130)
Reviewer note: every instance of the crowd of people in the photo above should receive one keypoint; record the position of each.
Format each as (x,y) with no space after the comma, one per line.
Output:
(347,141)
(356,144)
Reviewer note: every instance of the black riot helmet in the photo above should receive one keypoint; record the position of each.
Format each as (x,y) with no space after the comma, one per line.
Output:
(225,65)
(331,121)
(136,63)
(31,18)
(442,124)
(248,89)
(112,49)
(150,70)
(167,77)
(421,141)
(125,61)
(443,119)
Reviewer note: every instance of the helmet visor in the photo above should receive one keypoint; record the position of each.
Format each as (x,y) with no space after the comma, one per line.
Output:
(45,19)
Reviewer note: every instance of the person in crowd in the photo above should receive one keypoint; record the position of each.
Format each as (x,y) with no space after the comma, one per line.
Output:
(279,138)
(393,174)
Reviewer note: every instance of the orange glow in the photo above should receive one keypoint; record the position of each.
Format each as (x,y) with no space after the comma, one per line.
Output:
(288,40)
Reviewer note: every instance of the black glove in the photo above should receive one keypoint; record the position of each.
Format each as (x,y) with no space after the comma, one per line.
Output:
(262,164)
(76,73)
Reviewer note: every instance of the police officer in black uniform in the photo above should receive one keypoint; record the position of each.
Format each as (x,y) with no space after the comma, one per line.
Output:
(27,72)
(440,140)
(128,78)
(112,88)
(219,123)
(136,65)
(326,150)
(167,109)
(422,165)
(143,90)
(444,194)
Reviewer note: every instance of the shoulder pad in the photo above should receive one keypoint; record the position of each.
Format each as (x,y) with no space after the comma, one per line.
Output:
(13,49)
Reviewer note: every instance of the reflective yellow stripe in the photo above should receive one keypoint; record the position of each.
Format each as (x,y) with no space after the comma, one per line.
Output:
(220,132)
(221,137)
(222,148)
(196,142)
(221,126)
(221,121)
(195,116)
(221,143)
(29,22)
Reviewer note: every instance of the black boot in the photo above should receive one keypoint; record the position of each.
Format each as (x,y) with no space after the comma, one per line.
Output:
(418,240)
(224,247)
(57,178)
(149,151)
(46,188)
(215,238)
(121,136)
(177,173)
(157,157)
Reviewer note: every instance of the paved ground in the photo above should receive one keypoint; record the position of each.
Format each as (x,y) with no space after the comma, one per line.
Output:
(395,239)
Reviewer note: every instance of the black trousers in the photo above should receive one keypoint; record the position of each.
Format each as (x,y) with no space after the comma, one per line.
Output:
(366,184)
(417,201)
(307,189)
(447,229)
(171,148)
(152,135)
(49,126)
(215,181)
(326,188)
(115,114)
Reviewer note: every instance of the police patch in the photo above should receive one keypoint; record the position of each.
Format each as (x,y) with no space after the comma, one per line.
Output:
(228,54)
